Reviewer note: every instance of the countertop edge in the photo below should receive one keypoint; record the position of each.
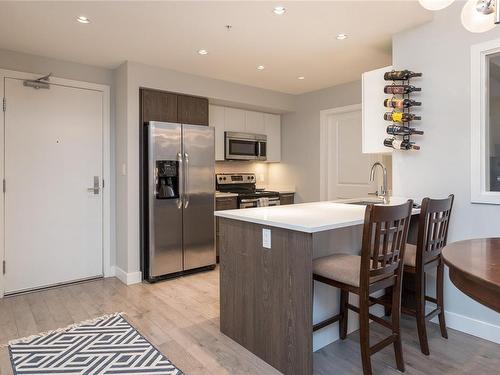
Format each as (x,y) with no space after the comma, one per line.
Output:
(297,228)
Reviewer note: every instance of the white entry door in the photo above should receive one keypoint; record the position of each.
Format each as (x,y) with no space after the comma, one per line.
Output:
(345,169)
(53,153)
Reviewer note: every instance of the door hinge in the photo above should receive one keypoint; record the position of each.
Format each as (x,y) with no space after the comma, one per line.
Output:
(4,185)
(3,267)
(4,105)
(103,183)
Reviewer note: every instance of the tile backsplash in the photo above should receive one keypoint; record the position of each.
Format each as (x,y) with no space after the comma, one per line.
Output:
(260,169)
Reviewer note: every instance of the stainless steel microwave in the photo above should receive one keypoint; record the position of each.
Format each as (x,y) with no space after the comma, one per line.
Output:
(245,146)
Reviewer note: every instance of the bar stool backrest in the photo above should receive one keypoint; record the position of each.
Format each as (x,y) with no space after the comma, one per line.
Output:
(384,239)
(433,228)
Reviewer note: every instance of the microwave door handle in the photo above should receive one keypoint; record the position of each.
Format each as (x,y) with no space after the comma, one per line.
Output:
(258,149)
(181,182)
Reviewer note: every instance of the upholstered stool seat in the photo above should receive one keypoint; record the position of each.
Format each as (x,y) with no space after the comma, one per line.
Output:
(410,255)
(344,268)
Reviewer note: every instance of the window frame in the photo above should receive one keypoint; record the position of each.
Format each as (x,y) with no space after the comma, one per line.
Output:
(480,122)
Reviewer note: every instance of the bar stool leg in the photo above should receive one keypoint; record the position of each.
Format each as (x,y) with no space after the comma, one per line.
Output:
(344,313)
(439,297)
(387,308)
(364,334)
(396,328)
(420,313)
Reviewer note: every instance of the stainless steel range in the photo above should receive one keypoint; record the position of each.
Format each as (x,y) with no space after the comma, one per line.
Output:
(244,185)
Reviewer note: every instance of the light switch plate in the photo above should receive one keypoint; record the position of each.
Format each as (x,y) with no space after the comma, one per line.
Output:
(266,238)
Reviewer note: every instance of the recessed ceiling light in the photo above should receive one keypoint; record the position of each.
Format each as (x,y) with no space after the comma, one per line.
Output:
(202,52)
(261,67)
(341,36)
(82,19)
(301,77)
(279,10)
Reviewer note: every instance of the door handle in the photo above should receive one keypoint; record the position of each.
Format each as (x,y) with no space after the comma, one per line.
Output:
(181,183)
(186,180)
(96,188)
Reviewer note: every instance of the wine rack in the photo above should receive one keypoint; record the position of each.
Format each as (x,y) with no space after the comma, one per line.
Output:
(400,110)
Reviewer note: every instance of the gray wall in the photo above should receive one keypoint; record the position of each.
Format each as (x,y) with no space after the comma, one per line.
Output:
(300,132)
(23,62)
(441,50)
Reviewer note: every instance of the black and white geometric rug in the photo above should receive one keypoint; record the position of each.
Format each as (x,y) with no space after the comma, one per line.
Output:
(105,345)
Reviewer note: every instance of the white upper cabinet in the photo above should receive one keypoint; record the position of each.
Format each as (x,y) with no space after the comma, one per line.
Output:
(234,120)
(374,125)
(254,122)
(273,131)
(238,120)
(216,120)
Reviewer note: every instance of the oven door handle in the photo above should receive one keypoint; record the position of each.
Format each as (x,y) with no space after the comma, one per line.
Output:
(248,200)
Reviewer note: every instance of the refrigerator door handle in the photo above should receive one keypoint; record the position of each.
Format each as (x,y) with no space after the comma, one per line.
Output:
(186,180)
(181,182)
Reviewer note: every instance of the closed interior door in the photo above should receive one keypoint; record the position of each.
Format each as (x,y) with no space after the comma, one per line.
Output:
(53,160)
(348,168)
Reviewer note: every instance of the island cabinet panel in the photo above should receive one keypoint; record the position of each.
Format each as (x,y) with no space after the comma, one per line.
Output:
(266,294)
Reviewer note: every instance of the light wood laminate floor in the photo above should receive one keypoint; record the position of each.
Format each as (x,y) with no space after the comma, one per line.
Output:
(180,317)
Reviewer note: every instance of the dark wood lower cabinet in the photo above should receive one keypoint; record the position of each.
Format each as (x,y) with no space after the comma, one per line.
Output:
(287,198)
(223,203)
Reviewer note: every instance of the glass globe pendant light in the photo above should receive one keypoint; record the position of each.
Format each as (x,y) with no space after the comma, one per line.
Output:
(435,4)
(479,16)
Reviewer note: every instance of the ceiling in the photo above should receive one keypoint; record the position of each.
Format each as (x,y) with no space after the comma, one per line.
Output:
(302,42)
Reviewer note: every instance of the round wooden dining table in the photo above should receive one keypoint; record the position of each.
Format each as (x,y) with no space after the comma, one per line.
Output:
(475,269)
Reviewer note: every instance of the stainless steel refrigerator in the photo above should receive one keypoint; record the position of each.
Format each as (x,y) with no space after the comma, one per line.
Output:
(179,192)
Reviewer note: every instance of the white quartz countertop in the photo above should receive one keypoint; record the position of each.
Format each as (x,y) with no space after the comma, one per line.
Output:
(307,217)
(218,194)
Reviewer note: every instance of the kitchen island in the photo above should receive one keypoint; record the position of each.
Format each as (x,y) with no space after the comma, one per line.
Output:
(266,294)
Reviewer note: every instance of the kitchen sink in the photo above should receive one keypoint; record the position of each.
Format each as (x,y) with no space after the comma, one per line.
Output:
(367,202)
(364,203)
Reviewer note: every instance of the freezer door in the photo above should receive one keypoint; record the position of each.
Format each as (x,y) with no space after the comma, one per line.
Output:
(165,198)
(199,196)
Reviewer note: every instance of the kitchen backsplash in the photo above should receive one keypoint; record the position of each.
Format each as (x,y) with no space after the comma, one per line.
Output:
(260,169)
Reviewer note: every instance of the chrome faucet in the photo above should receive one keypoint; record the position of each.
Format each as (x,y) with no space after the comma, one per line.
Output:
(384,192)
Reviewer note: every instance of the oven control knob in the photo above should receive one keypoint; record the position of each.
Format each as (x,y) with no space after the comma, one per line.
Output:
(224,178)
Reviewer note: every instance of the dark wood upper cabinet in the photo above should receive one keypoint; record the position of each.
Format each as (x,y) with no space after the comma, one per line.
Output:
(192,110)
(158,106)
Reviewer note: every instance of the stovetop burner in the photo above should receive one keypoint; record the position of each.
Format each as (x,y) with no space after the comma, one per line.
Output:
(242,184)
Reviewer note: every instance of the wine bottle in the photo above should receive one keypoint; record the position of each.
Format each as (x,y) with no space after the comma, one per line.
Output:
(402,130)
(400,75)
(400,116)
(400,144)
(401,103)
(400,89)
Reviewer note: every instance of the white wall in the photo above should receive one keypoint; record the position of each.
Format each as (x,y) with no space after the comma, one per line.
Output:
(300,139)
(23,62)
(132,76)
(441,50)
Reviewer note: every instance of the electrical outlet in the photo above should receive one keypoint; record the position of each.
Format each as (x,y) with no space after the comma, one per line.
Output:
(266,238)
(261,177)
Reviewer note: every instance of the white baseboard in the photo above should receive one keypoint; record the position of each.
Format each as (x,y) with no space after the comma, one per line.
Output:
(127,278)
(468,325)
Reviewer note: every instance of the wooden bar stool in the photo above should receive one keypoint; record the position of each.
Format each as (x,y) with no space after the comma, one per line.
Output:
(426,256)
(380,266)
